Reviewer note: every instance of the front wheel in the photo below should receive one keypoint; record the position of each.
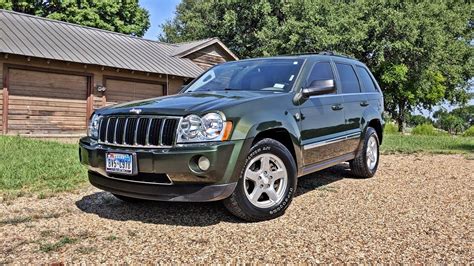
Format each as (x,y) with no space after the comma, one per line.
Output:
(366,163)
(267,183)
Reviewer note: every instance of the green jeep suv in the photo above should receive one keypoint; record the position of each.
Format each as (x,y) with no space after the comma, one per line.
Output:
(242,132)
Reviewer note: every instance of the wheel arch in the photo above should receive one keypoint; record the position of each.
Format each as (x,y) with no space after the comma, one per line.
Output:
(377,125)
(283,136)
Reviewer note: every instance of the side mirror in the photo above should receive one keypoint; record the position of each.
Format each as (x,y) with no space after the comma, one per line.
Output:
(319,87)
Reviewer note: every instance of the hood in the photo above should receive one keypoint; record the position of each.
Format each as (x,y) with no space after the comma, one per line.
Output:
(186,103)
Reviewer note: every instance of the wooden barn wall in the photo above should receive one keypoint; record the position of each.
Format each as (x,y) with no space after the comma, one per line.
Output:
(97,99)
(209,56)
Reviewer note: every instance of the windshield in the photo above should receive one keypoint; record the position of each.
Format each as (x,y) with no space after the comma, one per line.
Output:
(250,75)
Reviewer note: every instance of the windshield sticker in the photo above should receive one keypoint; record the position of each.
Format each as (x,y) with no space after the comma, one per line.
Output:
(291,78)
(279,86)
(295,62)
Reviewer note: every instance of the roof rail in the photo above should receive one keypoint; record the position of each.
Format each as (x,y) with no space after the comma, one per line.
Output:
(328,53)
(331,53)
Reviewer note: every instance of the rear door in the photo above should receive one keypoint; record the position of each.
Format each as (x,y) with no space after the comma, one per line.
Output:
(355,103)
(322,119)
(369,87)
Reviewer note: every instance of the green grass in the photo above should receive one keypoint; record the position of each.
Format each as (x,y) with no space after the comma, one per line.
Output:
(395,143)
(39,167)
(48,247)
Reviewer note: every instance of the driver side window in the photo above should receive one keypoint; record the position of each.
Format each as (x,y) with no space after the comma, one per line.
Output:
(320,71)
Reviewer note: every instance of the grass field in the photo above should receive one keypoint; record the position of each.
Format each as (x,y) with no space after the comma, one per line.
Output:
(395,143)
(40,167)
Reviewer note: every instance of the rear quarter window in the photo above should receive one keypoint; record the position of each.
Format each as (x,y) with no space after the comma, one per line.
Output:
(368,84)
(348,77)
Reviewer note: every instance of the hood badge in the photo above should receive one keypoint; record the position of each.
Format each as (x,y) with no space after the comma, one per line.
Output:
(136,111)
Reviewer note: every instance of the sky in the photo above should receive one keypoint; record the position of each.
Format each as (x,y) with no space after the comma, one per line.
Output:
(160,11)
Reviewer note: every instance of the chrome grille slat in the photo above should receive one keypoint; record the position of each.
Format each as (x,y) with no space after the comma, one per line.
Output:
(135,136)
(162,126)
(115,130)
(138,131)
(147,138)
(125,131)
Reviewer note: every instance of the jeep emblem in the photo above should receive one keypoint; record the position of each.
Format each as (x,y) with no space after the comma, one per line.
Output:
(136,111)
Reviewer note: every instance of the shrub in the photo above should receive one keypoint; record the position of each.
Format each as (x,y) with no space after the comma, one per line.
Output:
(425,129)
(469,132)
(390,128)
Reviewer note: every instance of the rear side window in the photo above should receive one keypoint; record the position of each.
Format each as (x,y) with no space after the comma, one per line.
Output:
(349,81)
(367,82)
(321,71)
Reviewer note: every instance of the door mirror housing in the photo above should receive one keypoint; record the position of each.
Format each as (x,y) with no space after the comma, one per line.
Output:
(319,87)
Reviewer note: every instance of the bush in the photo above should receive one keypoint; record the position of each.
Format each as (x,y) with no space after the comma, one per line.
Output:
(390,128)
(425,129)
(469,132)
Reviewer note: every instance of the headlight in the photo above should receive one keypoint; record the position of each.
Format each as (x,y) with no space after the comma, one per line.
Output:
(93,129)
(210,127)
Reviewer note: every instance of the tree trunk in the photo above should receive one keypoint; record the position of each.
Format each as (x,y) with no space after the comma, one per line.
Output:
(401,116)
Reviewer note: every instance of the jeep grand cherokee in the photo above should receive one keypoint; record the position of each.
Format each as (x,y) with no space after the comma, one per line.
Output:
(242,132)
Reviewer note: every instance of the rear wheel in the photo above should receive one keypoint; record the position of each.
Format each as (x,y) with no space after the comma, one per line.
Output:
(267,183)
(366,163)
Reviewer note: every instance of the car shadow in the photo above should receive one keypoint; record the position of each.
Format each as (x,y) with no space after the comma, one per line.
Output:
(105,205)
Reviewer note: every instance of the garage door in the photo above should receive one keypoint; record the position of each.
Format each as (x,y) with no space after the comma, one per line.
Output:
(46,103)
(119,91)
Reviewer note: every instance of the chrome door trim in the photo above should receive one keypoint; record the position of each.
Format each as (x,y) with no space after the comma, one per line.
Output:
(331,141)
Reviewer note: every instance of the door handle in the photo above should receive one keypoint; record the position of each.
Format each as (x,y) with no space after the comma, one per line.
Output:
(337,107)
(364,103)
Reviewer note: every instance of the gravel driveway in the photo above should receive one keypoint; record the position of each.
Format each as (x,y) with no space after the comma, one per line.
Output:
(418,208)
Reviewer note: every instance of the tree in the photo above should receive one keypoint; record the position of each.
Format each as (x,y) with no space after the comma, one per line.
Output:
(455,121)
(415,120)
(124,16)
(419,51)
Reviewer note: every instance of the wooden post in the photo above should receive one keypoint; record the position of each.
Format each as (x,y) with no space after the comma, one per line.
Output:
(90,98)
(5,101)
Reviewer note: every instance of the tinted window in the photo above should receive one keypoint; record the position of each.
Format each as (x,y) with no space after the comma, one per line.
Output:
(367,82)
(276,75)
(349,81)
(321,71)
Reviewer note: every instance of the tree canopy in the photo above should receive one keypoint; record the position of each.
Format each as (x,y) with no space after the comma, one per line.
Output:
(124,16)
(419,51)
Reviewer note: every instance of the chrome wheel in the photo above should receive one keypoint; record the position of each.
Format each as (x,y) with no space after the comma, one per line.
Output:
(372,152)
(265,180)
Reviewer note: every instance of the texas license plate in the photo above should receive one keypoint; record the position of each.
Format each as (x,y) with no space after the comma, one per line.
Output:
(120,163)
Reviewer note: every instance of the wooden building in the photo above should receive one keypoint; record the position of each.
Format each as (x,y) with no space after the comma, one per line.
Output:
(55,73)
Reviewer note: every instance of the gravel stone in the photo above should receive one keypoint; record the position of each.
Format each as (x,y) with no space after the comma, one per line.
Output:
(417,209)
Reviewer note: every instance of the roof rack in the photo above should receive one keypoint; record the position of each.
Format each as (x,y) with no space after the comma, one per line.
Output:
(331,53)
(328,53)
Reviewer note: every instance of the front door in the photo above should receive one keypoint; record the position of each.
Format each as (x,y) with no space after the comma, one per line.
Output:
(322,120)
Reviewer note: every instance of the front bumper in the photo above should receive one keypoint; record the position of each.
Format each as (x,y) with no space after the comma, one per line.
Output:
(179,164)
(182,193)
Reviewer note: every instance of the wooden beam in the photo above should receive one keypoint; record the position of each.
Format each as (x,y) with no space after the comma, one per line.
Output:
(90,98)
(5,100)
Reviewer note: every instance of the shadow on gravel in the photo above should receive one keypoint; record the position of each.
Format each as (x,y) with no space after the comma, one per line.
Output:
(105,205)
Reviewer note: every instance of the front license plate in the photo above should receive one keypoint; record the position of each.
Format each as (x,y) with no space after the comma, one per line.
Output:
(120,163)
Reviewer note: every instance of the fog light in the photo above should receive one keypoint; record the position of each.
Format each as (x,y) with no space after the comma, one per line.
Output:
(204,163)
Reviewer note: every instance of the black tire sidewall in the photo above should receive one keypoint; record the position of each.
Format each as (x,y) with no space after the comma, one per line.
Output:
(277,149)
(371,132)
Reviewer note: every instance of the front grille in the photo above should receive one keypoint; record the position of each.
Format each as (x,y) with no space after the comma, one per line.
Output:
(138,131)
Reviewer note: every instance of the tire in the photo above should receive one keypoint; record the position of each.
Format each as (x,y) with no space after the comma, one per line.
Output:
(267,183)
(361,166)
(127,199)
